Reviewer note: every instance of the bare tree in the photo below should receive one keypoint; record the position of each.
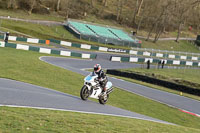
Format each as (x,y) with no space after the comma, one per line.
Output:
(105,2)
(65,7)
(165,17)
(135,11)
(118,9)
(32,4)
(145,14)
(141,17)
(154,19)
(139,7)
(182,12)
(12,4)
(35,3)
(92,3)
(58,5)
(120,4)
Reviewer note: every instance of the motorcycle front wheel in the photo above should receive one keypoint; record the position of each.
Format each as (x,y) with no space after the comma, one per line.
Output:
(84,93)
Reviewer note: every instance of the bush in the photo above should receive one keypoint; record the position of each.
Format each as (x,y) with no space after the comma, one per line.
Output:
(3,4)
(197,42)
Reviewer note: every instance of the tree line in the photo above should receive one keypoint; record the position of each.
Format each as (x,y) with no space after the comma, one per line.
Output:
(153,16)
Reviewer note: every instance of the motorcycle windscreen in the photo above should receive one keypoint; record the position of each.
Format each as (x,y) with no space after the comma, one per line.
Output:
(88,78)
(108,85)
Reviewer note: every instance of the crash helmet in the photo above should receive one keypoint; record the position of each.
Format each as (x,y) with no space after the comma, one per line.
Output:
(97,68)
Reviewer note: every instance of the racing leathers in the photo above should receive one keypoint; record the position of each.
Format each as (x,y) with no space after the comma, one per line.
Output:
(102,79)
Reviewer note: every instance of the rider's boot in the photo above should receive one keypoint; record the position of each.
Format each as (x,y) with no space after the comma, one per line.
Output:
(104,92)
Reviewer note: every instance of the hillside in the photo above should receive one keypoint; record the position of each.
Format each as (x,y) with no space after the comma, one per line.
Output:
(96,13)
(152,17)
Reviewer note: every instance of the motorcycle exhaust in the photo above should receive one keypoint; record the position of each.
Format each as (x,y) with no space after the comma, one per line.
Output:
(109,90)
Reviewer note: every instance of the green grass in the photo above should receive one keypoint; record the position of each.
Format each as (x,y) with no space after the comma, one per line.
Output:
(158,87)
(183,46)
(25,66)
(47,32)
(24,15)
(19,65)
(13,32)
(191,75)
(188,77)
(138,104)
(34,120)
(37,30)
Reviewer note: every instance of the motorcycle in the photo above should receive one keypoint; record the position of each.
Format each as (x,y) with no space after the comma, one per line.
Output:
(92,88)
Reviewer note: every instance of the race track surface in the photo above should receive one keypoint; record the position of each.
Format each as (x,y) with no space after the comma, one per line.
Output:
(23,94)
(170,99)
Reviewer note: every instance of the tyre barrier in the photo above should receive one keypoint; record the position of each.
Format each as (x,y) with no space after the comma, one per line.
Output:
(48,50)
(105,49)
(152,60)
(155,81)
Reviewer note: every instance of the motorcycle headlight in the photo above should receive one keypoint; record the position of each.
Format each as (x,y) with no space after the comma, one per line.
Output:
(88,83)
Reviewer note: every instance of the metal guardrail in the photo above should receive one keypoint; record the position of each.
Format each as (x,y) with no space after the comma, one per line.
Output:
(165,51)
(156,61)
(138,52)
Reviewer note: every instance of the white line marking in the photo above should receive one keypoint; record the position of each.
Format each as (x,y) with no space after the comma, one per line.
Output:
(154,99)
(84,69)
(84,112)
(64,58)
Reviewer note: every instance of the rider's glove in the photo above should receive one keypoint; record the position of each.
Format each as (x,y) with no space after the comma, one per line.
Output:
(100,79)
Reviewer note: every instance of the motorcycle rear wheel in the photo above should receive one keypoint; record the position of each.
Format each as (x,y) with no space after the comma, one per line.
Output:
(84,93)
(103,99)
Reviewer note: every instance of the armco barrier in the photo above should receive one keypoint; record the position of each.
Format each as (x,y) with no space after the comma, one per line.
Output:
(105,49)
(164,55)
(152,60)
(132,52)
(48,51)
(29,40)
(159,82)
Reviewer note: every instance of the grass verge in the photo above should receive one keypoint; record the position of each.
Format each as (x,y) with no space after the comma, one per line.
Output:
(189,77)
(173,74)
(184,46)
(25,66)
(34,120)
(159,87)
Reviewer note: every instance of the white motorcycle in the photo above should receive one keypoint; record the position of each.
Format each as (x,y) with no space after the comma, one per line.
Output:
(92,88)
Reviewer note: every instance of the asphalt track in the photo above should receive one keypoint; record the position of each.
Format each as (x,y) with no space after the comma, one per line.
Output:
(19,94)
(22,94)
(77,65)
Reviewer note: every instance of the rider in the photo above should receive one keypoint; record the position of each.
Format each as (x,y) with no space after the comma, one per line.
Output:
(101,77)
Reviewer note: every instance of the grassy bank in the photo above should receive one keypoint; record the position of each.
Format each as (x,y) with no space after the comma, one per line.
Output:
(25,66)
(188,77)
(33,120)
(45,32)
(24,15)
(184,46)
(60,33)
